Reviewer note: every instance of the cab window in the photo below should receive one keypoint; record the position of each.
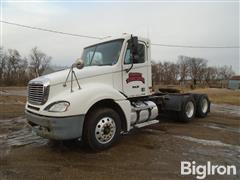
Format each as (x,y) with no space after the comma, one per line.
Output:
(141,54)
(102,54)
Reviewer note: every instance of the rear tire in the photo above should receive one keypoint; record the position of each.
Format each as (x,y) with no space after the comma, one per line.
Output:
(188,109)
(203,106)
(102,129)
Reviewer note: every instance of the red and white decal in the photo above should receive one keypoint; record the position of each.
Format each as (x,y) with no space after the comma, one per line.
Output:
(135,77)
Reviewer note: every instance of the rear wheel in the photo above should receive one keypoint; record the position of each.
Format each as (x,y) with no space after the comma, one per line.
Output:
(188,110)
(203,105)
(102,129)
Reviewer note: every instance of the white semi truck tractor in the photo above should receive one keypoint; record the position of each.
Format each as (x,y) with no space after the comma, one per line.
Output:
(107,92)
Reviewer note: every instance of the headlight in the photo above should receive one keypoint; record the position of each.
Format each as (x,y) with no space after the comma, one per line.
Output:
(60,106)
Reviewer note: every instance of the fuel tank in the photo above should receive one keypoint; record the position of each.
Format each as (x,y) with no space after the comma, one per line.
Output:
(143,111)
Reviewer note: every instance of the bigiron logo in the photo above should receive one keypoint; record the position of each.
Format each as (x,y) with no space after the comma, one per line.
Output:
(202,171)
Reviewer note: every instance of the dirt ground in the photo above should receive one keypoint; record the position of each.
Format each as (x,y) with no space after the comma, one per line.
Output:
(153,152)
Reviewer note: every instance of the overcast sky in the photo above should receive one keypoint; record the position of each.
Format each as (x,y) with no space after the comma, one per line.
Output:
(183,23)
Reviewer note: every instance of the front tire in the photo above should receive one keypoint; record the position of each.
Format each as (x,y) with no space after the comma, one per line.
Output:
(102,129)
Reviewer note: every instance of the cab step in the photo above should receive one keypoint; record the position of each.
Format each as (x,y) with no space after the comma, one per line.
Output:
(140,125)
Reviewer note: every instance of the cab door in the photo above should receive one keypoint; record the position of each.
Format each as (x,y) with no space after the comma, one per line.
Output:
(135,76)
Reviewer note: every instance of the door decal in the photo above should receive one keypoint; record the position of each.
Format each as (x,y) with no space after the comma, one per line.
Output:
(135,77)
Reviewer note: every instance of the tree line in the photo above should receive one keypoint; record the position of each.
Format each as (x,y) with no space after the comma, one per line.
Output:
(189,70)
(17,70)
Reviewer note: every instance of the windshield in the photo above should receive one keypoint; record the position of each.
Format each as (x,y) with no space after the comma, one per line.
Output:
(102,54)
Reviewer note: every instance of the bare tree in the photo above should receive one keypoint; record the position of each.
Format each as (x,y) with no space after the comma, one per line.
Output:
(22,74)
(210,74)
(14,70)
(183,67)
(169,72)
(197,67)
(174,72)
(155,73)
(161,72)
(225,72)
(2,64)
(12,64)
(166,72)
(39,61)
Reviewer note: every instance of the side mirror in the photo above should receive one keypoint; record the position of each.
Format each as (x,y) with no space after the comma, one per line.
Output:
(79,64)
(134,48)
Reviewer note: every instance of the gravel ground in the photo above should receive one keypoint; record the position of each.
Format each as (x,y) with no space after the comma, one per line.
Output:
(153,152)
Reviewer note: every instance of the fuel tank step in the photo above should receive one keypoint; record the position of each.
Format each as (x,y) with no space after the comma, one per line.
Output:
(140,125)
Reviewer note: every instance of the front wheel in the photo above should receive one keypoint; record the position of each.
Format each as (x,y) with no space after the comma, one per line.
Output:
(102,129)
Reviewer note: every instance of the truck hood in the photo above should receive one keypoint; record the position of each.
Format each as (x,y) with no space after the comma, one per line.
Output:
(86,72)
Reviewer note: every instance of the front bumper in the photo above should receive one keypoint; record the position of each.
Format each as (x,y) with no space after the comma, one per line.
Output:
(58,128)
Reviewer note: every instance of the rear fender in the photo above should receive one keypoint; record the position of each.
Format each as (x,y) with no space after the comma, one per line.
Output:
(174,102)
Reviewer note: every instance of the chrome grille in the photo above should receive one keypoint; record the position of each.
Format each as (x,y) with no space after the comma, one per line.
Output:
(37,93)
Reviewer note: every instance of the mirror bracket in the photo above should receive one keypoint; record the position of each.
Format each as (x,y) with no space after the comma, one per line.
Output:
(79,64)
(133,51)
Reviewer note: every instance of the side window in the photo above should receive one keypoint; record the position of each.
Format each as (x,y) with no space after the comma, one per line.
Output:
(141,55)
(127,57)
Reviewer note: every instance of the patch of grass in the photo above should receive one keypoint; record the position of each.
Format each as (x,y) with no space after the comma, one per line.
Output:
(13,99)
(12,106)
(13,88)
(216,95)
(221,96)
(11,110)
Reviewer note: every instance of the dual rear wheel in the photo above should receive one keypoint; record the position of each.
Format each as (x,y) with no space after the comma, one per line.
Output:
(203,106)
(191,107)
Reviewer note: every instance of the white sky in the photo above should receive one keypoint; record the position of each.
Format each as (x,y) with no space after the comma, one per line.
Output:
(184,23)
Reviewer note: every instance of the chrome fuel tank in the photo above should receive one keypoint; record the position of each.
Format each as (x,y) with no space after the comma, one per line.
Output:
(143,111)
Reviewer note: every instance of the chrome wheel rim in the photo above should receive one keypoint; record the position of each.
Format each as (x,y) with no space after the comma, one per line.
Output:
(204,105)
(189,109)
(105,130)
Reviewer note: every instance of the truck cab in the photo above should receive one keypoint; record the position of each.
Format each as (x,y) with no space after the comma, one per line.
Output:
(105,93)
(131,78)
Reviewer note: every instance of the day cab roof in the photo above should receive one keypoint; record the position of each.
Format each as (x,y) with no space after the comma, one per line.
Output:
(124,36)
